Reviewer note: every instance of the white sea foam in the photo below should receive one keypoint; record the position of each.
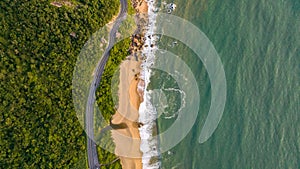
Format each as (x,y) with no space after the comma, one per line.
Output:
(183,102)
(147,113)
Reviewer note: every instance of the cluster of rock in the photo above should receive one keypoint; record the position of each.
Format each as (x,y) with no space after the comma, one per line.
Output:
(169,7)
(138,38)
(136,47)
(136,4)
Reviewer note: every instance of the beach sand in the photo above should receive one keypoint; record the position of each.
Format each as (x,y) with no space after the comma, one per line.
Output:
(127,113)
(128,148)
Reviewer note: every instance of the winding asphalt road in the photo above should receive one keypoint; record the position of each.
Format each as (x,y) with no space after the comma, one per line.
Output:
(89,117)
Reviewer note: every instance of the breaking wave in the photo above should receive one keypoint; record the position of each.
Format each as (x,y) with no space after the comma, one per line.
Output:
(147,113)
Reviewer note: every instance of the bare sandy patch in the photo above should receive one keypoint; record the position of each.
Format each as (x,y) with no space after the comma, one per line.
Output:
(129,101)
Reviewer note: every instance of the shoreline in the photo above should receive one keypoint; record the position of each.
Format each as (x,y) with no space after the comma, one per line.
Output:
(147,112)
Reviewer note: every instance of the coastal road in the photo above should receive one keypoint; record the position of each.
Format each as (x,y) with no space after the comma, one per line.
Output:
(93,161)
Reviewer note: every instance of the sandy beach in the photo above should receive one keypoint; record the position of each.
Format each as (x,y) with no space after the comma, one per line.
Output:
(128,148)
(127,113)
(140,6)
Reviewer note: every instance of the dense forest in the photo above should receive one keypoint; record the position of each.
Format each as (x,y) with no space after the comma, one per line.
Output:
(105,93)
(39,45)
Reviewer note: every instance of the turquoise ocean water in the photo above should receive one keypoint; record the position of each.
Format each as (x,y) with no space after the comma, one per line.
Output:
(258,42)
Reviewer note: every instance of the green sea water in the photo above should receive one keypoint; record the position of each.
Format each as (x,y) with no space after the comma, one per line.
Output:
(258,42)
